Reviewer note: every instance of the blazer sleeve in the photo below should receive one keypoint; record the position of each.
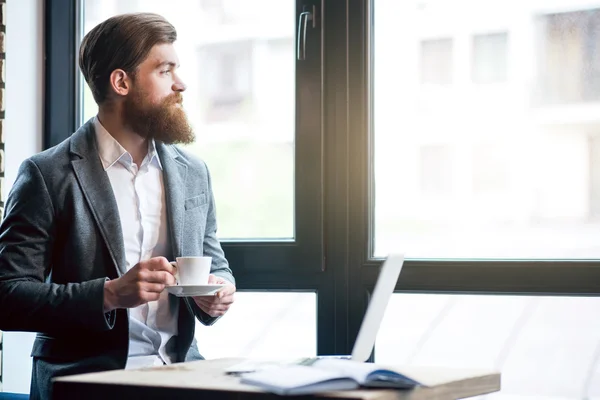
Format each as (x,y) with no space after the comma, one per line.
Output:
(28,301)
(212,247)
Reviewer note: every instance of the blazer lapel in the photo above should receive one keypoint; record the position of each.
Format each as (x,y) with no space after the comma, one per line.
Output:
(97,190)
(174,177)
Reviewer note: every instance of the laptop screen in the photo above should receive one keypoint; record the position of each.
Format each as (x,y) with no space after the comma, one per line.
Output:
(384,287)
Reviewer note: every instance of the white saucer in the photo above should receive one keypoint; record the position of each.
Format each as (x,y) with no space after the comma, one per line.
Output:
(194,290)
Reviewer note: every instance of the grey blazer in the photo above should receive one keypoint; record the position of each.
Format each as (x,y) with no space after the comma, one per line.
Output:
(60,240)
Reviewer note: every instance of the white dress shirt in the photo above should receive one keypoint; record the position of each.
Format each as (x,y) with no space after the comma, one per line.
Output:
(141,202)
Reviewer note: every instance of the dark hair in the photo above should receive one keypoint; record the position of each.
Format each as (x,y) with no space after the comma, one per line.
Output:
(123,41)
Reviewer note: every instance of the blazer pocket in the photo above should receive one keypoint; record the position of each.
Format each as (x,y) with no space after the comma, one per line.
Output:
(194,202)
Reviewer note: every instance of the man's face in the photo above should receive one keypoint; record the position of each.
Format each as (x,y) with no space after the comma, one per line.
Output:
(153,107)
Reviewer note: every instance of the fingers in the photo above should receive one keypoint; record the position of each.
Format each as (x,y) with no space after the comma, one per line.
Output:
(208,304)
(217,280)
(147,296)
(156,269)
(161,277)
(228,290)
(210,300)
(174,265)
(160,264)
(150,287)
(216,306)
(124,292)
(214,310)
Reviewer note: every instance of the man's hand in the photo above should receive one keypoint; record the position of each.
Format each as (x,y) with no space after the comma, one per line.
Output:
(141,284)
(218,304)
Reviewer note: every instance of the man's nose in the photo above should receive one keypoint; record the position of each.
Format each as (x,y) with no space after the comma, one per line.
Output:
(179,86)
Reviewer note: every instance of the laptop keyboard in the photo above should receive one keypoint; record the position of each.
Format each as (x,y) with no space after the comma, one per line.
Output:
(308,361)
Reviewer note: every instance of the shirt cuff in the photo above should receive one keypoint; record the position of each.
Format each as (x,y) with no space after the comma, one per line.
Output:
(110,316)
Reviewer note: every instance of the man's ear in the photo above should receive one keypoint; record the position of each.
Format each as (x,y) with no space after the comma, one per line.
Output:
(120,82)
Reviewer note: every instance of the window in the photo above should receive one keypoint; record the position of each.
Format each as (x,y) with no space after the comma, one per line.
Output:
(507,182)
(283,316)
(214,9)
(544,349)
(594,159)
(226,88)
(490,58)
(245,95)
(229,98)
(490,175)
(399,143)
(236,12)
(436,170)
(511,198)
(436,61)
(569,57)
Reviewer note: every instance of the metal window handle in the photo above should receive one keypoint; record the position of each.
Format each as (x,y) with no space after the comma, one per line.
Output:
(305,16)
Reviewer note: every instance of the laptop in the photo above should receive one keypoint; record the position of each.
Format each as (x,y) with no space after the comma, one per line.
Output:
(365,341)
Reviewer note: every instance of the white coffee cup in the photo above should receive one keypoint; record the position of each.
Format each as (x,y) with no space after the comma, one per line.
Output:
(192,270)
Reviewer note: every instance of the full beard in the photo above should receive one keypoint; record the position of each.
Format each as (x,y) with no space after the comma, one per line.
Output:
(166,122)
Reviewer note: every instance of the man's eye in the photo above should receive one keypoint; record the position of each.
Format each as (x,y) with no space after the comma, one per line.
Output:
(166,71)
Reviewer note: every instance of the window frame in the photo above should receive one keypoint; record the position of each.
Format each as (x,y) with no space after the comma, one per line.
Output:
(279,266)
(460,276)
(547,277)
(303,254)
(340,187)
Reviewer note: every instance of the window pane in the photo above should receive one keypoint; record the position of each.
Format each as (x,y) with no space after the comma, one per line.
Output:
(486,129)
(545,347)
(436,61)
(263,325)
(240,72)
(489,58)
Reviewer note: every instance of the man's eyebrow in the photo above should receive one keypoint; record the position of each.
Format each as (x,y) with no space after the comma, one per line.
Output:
(167,64)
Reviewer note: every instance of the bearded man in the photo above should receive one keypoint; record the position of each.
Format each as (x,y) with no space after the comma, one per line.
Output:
(91,224)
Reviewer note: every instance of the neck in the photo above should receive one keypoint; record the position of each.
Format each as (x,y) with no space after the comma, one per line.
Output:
(135,144)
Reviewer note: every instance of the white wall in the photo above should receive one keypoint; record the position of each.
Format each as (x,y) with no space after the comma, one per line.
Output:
(23,135)
(24,83)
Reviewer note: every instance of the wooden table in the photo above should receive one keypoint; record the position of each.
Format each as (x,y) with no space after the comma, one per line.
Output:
(206,380)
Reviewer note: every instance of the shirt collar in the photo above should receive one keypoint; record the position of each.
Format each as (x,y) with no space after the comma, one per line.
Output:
(111,151)
(152,155)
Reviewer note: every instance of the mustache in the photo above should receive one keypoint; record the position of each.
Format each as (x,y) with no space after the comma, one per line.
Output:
(175,98)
